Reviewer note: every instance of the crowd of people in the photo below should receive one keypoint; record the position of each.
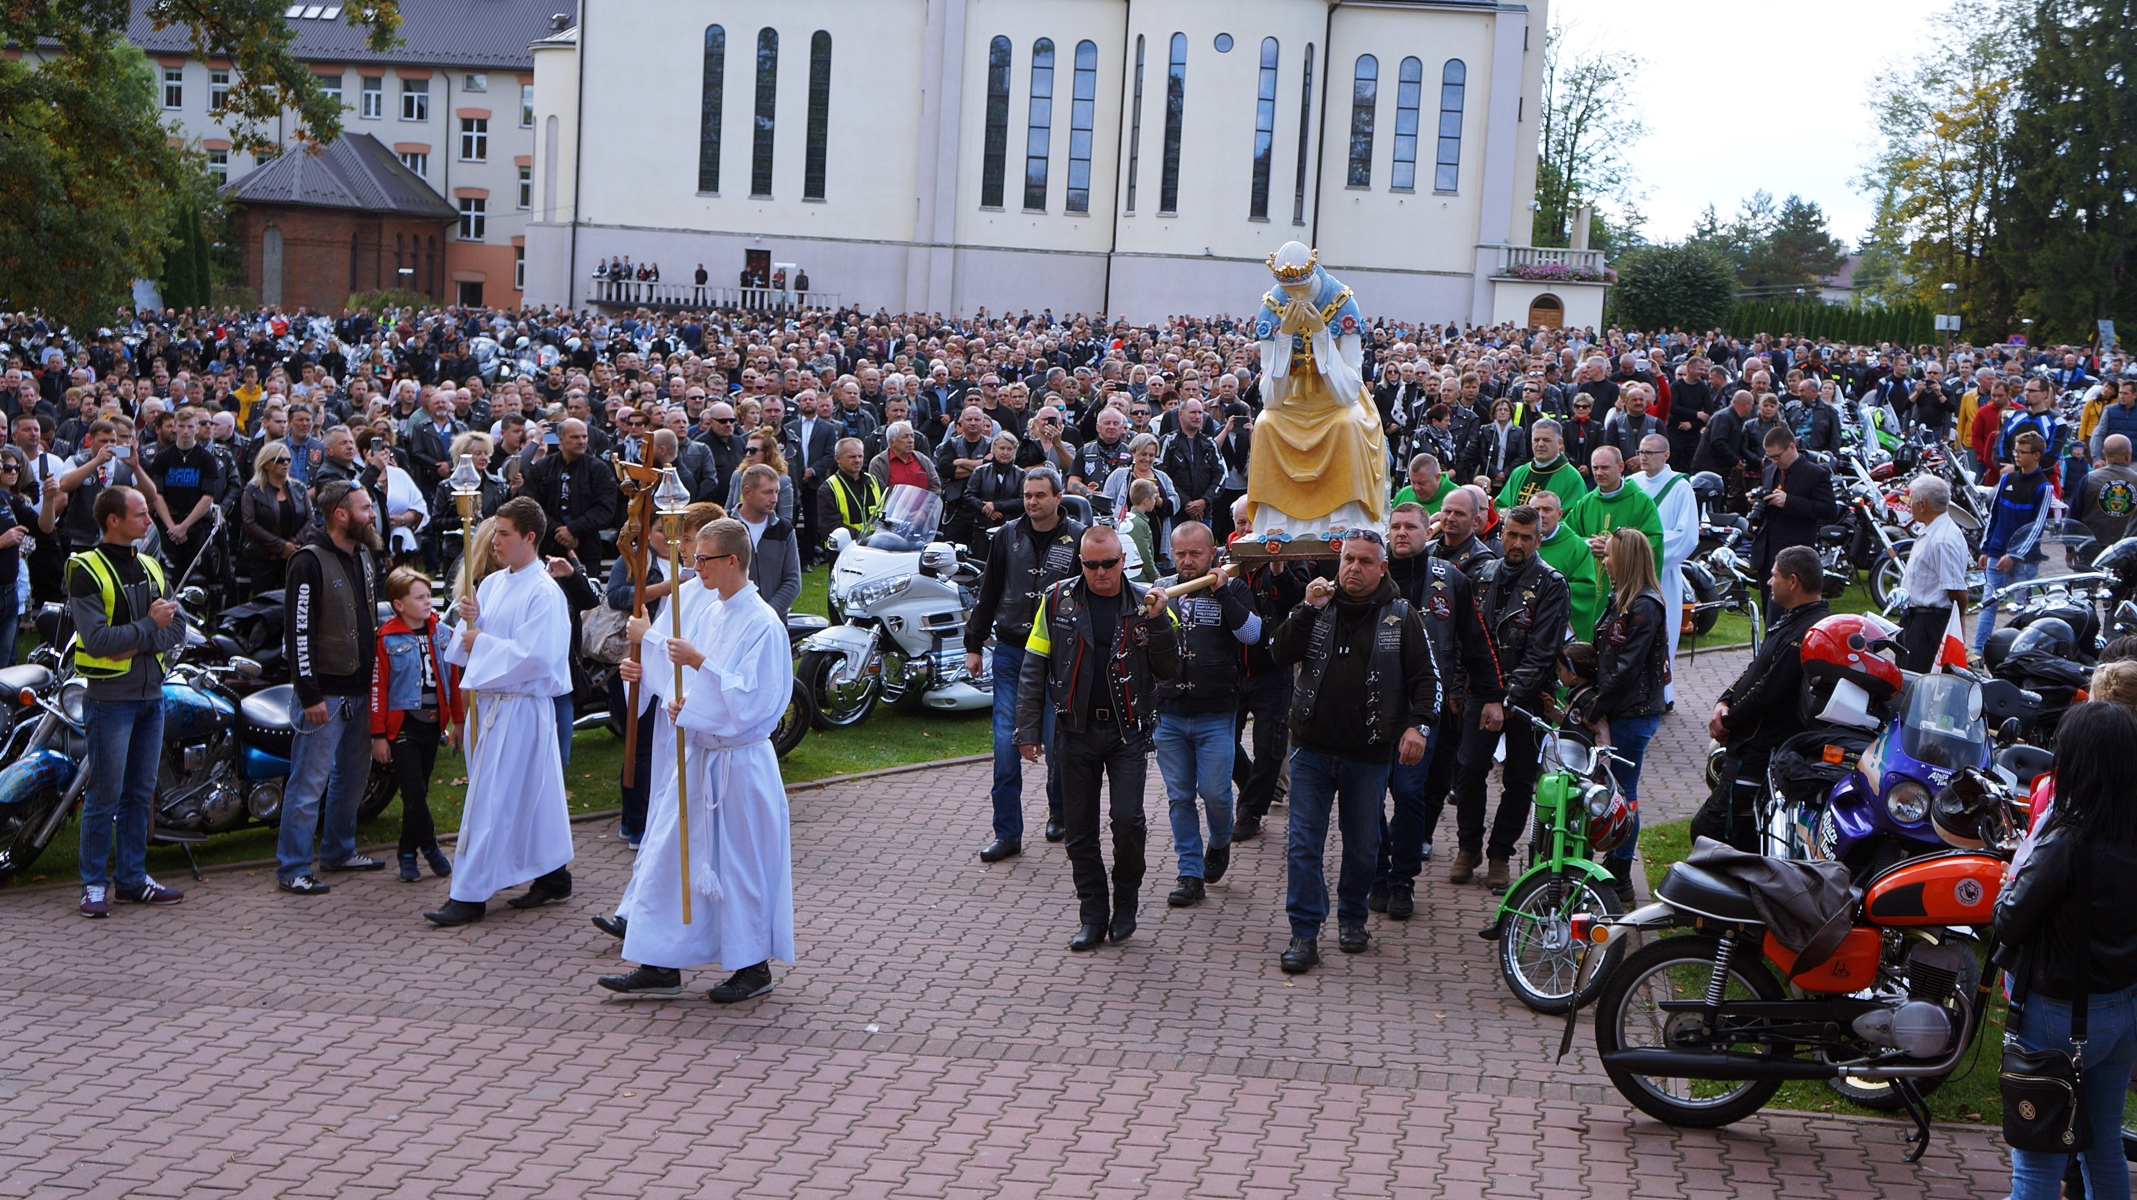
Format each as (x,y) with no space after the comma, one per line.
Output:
(1533,545)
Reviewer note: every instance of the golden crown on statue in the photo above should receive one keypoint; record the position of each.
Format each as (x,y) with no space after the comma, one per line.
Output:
(1291,270)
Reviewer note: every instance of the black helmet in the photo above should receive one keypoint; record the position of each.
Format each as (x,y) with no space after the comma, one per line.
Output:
(1964,812)
(2051,636)
(2082,617)
(1708,486)
(2119,560)
(1998,647)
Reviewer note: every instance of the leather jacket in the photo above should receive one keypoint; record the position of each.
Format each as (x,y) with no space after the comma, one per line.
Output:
(1470,555)
(1632,651)
(1524,607)
(1765,703)
(2036,911)
(1062,668)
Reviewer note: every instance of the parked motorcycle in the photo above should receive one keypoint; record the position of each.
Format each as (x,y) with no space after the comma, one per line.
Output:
(902,600)
(47,743)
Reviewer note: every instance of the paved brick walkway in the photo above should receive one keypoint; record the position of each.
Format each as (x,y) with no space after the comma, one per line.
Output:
(937,1039)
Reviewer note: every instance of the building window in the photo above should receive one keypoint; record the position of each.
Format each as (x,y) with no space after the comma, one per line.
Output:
(472,214)
(374,97)
(1298,194)
(331,85)
(815,145)
(519,268)
(471,82)
(1264,131)
(1449,171)
(1039,124)
(1365,93)
(712,92)
(174,87)
(218,90)
(415,99)
(1409,82)
(760,165)
(219,165)
(526,106)
(474,139)
(417,161)
(1223,43)
(995,155)
(264,155)
(1175,110)
(1083,112)
(526,188)
(1135,125)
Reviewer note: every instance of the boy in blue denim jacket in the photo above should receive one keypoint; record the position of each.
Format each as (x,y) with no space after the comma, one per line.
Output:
(415,704)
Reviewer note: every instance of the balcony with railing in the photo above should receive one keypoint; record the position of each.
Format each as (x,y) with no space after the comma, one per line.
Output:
(639,293)
(1552,264)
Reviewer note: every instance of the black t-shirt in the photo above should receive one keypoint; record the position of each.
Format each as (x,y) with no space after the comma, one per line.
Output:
(1105,620)
(184,476)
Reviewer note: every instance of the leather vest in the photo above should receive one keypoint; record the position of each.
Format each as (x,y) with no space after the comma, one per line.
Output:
(1077,682)
(1387,702)
(1210,657)
(1030,576)
(334,636)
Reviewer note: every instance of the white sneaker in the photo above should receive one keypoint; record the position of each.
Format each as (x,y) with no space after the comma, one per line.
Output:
(1427,855)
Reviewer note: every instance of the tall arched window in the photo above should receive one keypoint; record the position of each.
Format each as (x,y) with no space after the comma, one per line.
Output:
(1264,131)
(1409,82)
(994,156)
(760,158)
(1083,106)
(715,87)
(819,130)
(1298,194)
(1175,110)
(1449,172)
(1365,93)
(1135,125)
(1039,123)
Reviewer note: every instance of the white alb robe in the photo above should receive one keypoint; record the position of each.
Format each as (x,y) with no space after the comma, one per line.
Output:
(1680,536)
(516,825)
(741,870)
(659,768)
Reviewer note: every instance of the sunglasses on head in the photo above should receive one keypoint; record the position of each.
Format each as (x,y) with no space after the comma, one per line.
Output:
(1100,564)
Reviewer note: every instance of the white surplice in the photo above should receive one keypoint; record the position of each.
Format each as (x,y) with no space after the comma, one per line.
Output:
(741,864)
(1679,511)
(658,770)
(516,825)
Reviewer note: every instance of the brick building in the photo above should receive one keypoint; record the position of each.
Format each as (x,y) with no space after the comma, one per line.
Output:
(351,218)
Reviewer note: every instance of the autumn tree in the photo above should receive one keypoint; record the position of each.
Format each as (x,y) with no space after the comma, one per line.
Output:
(1586,128)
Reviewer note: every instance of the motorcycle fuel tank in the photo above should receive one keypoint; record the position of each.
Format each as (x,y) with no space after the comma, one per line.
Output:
(31,774)
(1942,889)
(190,714)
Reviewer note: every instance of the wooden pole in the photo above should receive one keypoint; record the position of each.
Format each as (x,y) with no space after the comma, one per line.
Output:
(672,527)
(641,519)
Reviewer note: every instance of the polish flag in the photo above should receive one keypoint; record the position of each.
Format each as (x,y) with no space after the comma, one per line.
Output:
(1952,653)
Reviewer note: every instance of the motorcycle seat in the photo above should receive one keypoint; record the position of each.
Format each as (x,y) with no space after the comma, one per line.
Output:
(2025,762)
(1834,533)
(270,708)
(1708,894)
(23,677)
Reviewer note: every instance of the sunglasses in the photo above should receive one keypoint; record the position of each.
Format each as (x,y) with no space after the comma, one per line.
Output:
(721,420)
(1100,564)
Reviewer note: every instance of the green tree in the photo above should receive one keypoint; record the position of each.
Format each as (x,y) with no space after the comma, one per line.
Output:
(1586,130)
(2067,221)
(1681,286)
(1797,249)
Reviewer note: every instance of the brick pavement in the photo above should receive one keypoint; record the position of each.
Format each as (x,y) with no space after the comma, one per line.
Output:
(937,1039)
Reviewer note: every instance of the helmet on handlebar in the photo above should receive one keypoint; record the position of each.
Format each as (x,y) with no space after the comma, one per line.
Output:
(1708,486)
(2120,560)
(2082,618)
(2051,636)
(1998,647)
(1612,816)
(1847,646)
(1965,811)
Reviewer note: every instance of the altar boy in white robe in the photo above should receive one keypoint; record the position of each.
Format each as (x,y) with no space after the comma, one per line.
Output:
(740,875)
(1679,508)
(512,645)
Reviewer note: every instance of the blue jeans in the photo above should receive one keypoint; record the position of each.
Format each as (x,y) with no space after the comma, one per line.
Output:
(565,716)
(328,767)
(125,748)
(1630,736)
(1985,624)
(10,613)
(1402,839)
(1195,758)
(1353,789)
(1008,765)
(2110,1052)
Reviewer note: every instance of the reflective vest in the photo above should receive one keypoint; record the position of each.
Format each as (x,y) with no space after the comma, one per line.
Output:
(107,582)
(843,494)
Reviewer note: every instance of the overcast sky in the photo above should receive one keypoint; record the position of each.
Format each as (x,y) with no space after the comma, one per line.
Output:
(1746,94)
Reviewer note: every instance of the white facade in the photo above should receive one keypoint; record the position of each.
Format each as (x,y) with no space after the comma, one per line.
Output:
(943,190)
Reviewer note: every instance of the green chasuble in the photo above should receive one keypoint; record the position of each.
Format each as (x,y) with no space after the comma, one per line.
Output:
(1630,508)
(1525,481)
(1569,556)
(1408,495)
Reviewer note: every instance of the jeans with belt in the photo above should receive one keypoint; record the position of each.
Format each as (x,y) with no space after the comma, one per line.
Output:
(1321,782)
(2110,1052)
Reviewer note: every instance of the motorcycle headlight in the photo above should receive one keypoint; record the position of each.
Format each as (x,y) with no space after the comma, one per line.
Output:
(74,700)
(877,589)
(1908,802)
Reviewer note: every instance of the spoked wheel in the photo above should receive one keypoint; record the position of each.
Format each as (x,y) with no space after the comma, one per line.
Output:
(1885,578)
(1537,953)
(1629,1016)
(794,723)
(19,824)
(844,690)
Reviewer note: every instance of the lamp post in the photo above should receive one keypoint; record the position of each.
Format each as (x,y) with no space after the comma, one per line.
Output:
(466,483)
(1802,322)
(1950,289)
(670,499)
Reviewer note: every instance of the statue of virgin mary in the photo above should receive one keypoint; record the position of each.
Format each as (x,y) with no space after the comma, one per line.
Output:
(1319,459)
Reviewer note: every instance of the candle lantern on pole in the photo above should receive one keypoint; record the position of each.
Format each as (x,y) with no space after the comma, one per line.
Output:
(670,499)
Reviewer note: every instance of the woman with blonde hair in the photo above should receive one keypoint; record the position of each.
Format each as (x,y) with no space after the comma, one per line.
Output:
(1632,665)
(762,446)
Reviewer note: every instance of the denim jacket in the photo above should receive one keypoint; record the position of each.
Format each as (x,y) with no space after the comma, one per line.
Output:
(397,675)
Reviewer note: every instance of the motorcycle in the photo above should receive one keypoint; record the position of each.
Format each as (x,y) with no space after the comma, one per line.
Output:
(47,743)
(1702,1029)
(901,600)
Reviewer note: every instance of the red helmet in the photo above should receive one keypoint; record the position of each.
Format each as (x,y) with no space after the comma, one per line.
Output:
(1611,819)
(1844,646)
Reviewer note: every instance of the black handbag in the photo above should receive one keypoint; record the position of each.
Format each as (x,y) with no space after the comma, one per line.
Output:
(2043,1090)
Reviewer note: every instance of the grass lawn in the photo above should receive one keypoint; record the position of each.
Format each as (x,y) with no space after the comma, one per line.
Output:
(1733,629)
(891,737)
(1968,1097)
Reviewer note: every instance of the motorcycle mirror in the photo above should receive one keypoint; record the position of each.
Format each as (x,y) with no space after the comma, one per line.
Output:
(2007,732)
(192,597)
(841,538)
(245,666)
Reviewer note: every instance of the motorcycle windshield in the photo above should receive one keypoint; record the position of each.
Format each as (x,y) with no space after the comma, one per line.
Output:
(1940,730)
(908,519)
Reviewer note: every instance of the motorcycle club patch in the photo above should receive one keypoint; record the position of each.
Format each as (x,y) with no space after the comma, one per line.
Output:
(1141,636)
(1440,607)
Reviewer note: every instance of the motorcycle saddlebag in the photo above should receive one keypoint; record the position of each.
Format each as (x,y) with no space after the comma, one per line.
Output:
(1808,765)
